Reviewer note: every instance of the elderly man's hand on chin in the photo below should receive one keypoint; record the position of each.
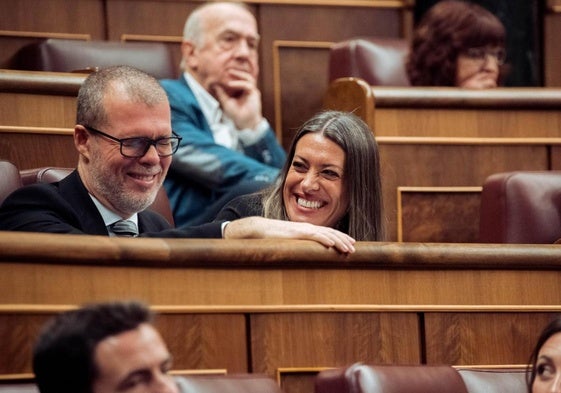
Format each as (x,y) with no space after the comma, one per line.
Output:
(260,228)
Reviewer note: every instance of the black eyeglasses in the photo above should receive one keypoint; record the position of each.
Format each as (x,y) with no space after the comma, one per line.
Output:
(481,53)
(138,146)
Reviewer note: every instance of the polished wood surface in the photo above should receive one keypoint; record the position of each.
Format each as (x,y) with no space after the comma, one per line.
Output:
(439,138)
(289,308)
(275,272)
(37,117)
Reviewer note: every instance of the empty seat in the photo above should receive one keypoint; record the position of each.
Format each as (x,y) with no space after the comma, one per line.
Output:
(60,55)
(379,61)
(521,207)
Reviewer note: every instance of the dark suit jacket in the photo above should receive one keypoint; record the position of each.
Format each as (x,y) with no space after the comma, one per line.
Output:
(242,206)
(66,207)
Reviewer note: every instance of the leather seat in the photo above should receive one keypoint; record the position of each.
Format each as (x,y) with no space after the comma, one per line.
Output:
(362,378)
(58,55)
(521,207)
(379,61)
(494,381)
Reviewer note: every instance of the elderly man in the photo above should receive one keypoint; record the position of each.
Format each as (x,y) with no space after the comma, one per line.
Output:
(228,148)
(125,143)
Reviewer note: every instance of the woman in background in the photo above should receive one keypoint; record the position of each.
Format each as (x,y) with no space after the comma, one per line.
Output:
(457,44)
(544,370)
(331,178)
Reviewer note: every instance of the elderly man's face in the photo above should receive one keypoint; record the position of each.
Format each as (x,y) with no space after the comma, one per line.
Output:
(228,47)
(136,361)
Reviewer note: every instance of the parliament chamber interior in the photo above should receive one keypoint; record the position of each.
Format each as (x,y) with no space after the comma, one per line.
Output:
(462,286)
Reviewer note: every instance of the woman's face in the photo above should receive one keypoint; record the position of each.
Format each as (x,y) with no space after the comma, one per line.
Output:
(478,68)
(314,189)
(548,366)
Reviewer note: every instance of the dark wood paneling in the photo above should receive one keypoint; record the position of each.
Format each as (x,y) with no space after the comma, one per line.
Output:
(18,333)
(323,339)
(36,19)
(34,150)
(206,341)
(433,215)
(304,71)
(466,338)
(428,165)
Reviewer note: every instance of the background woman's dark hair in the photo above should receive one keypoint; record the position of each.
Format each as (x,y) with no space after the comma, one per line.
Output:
(552,328)
(446,30)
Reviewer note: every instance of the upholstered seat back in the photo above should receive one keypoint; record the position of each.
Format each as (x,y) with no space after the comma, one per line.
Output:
(379,61)
(230,383)
(9,179)
(361,378)
(60,55)
(521,207)
(494,381)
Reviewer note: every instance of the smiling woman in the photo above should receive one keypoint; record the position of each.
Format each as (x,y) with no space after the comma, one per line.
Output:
(331,178)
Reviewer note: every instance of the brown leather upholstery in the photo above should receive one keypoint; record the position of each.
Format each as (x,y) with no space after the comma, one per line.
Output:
(9,179)
(230,383)
(494,381)
(362,378)
(521,207)
(16,179)
(379,61)
(60,55)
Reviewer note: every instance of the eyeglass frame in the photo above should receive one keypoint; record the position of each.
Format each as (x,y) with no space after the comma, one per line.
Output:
(480,54)
(150,142)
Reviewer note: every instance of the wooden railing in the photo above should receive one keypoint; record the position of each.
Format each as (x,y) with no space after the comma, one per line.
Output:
(438,145)
(289,308)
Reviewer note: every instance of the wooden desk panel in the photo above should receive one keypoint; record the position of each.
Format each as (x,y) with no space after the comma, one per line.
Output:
(272,305)
(63,269)
(449,137)
(292,340)
(463,338)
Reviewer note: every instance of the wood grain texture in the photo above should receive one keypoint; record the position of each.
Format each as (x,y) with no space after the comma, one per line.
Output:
(459,338)
(322,339)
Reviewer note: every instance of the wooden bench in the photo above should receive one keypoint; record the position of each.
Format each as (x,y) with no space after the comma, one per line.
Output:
(438,145)
(289,308)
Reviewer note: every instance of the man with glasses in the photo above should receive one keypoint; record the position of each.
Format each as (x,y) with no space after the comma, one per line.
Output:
(228,148)
(125,143)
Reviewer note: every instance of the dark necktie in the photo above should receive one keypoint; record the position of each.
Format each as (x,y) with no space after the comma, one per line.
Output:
(125,228)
